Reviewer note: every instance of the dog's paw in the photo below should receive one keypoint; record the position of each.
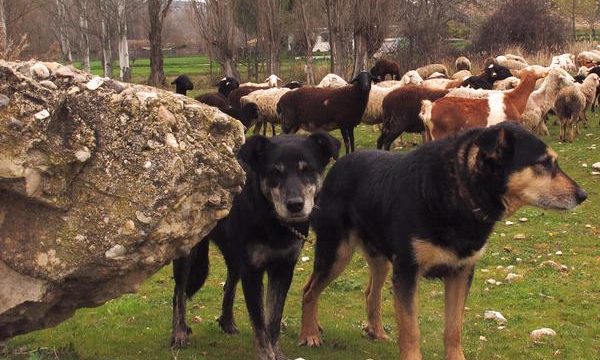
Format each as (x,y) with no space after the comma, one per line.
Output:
(228,326)
(181,337)
(279,355)
(376,334)
(311,340)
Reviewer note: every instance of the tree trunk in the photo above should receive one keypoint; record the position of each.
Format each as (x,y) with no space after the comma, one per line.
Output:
(229,68)
(157,13)
(125,70)
(85,38)
(3,35)
(272,30)
(308,68)
(361,53)
(106,49)
(573,21)
(65,43)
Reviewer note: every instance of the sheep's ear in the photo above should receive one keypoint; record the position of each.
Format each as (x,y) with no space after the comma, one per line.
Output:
(325,146)
(254,150)
(495,144)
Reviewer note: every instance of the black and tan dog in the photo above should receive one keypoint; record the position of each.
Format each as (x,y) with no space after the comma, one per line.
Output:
(428,213)
(263,233)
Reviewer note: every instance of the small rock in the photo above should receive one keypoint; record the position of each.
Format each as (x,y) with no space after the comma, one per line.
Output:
(510,267)
(142,217)
(83,154)
(95,83)
(148,164)
(554,265)
(115,251)
(509,223)
(558,253)
(523,219)
(493,282)
(513,277)
(518,260)
(305,258)
(496,316)
(482,338)
(143,96)
(41,115)
(584,165)
(48,84)
(596,166)
(73,90)
(539,334)
(4,100)
(508,249)
(171,141)
(65,71)
(40,71)
(595,173)
(520,237)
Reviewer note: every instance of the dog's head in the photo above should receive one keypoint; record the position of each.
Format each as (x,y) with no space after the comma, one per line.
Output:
(527,168)
(289,169)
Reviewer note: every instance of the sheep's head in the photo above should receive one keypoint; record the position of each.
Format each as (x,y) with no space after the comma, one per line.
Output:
(272,80)
(412,77)
(363,80)
(227,85)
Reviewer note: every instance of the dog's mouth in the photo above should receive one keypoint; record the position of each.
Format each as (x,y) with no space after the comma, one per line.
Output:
(293,218)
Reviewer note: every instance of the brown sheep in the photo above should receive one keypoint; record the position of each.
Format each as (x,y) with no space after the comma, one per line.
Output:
(569,103)
(312,108)
(401,110)
(385,67)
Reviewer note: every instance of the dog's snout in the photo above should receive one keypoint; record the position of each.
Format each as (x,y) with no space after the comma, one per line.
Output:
(580,195)
(295,204)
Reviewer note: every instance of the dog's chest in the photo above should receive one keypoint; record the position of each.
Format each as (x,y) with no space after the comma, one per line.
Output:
(259,254)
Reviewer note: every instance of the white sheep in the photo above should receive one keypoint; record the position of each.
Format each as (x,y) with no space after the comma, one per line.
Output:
(542,100)
(427,70)
(588,58)
(507,84)
(467,92)
(374,111)
(265,109)
(512,62)
(270,82)
(462,75)
(412,77)
(583,71)
(332,81)
(564,61)
(588,88)
(462,63)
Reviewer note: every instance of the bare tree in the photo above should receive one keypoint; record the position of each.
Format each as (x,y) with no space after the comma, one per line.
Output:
(371,21)
(105,36)
(125,70)
(270,25)
(338,20)
(65,43)
(3,34)
(305,28)
(84,46)
(216,25)
(157,11)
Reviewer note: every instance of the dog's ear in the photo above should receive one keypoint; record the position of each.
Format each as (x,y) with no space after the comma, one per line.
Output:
(495,144)
(325,146)
(254,150)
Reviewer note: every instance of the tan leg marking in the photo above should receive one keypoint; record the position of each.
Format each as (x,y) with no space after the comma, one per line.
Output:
(310,333)
(456,291)
(379,268)
(408,325)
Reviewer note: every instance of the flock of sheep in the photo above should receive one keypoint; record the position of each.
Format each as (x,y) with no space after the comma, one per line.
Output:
(428,100)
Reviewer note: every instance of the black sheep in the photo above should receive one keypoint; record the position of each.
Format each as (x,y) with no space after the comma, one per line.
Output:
(385,67)
(219,99)
(182,84)
(491,74)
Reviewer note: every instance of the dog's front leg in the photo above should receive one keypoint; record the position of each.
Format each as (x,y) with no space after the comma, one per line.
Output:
(457,286)
(180,331)
(405,281)
(253,292)
(280,279)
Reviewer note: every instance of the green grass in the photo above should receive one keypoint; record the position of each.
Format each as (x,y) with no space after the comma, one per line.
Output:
(137,326)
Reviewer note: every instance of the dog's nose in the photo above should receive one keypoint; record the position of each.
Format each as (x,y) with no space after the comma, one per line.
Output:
(295,205)
(581,195)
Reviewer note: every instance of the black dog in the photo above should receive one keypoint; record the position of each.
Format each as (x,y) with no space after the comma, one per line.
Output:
(429,213)
(263,232)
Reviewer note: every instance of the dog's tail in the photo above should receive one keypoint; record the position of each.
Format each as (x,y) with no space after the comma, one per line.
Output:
(425,115)
(198,269)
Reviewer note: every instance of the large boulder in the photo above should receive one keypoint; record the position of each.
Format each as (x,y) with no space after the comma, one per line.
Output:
(101,184)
